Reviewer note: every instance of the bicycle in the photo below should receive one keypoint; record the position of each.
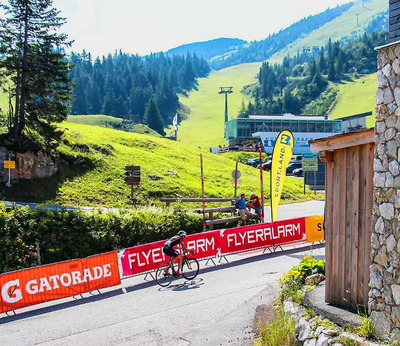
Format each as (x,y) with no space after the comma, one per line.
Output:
(166,271)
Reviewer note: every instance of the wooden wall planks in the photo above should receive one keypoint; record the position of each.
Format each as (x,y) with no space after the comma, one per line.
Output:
(348,225)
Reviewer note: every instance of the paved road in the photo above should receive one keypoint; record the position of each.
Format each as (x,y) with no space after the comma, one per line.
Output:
(215,309)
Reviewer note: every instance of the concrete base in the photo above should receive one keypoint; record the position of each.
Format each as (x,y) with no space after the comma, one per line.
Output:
(315,300)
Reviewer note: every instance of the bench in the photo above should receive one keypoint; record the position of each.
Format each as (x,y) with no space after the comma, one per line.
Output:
(211,223)
(195,200)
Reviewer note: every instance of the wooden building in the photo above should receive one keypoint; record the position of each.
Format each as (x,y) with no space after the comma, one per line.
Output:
(348,212)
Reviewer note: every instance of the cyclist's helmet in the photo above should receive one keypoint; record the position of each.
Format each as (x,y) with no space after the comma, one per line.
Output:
(182,233)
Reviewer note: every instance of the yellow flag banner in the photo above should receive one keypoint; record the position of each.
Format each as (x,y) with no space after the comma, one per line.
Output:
(315,228)
(281,156)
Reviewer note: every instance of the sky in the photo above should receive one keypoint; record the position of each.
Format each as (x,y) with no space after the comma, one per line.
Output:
(145,26)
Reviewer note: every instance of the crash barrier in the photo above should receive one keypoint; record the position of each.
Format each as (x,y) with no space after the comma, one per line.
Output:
(45,283)
(60,280)
(145,258)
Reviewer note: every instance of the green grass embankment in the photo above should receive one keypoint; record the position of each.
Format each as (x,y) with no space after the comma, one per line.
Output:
(97,179)
(109,121)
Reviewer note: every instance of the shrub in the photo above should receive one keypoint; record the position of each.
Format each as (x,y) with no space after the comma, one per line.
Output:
(292,282)
(367,328)
(64,234)
(279,332)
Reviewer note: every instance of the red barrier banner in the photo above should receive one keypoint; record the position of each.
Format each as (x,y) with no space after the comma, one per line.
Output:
(205,244)
(147,257)
(142,258)
(259,235)
(55,281)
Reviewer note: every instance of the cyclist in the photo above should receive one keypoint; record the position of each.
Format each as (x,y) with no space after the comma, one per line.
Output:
(171,246)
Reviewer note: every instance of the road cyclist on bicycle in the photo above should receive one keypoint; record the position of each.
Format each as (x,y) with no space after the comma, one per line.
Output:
(172,246)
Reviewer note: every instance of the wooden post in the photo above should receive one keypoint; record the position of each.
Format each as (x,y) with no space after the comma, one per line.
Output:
(211,217)
(202,192)
(236,179)
(261,186)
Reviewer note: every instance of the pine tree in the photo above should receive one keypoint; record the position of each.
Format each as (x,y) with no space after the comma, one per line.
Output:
(243,111)
(32,57)
(322,63)
(331,72)
(152,117)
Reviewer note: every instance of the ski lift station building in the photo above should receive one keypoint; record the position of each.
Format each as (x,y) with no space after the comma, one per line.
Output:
(265,129)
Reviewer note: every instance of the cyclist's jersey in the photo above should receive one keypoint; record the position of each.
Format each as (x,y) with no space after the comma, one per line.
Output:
(175,240)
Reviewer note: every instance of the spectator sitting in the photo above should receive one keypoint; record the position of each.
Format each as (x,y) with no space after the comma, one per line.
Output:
(255,202)
(241,205)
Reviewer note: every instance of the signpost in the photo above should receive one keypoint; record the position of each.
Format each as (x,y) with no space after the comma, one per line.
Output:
(236,174)
(310,164)
(132,177)
(9,164)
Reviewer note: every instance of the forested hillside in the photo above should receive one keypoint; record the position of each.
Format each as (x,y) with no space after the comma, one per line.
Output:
(123,84)
(296,84)
(262,50)
(208,49)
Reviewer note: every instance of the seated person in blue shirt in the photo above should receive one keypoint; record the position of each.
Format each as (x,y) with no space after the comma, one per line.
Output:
(241,204)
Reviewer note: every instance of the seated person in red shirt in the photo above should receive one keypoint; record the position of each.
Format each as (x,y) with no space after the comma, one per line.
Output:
(254,200)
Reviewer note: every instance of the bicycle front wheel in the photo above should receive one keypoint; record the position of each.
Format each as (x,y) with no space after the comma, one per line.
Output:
(190,268)
(164,275)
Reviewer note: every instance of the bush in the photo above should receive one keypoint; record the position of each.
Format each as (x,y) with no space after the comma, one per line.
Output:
(63,235)
(279,332)
(293,281)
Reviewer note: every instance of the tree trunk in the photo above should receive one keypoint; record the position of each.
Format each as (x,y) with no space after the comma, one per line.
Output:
(21,113)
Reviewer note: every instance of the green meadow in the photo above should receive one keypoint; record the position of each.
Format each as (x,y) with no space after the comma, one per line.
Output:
(108,121)
(94,120)
(355,97)
(168,168)
(205,123)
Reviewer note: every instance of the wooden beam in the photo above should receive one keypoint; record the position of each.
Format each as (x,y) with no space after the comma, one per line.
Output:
(326,156)
(228,219)
(215,210)
(342,141)
(169,200)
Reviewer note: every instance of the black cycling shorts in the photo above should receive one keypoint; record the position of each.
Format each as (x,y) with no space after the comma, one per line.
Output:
(170,252)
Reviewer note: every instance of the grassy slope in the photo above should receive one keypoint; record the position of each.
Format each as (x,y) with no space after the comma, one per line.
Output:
(94,119)
(342,26)
(356,97)
(104,120)
(205,125)
(176,163)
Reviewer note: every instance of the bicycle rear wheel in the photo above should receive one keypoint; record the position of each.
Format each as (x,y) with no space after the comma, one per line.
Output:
(164,275)
(190,268)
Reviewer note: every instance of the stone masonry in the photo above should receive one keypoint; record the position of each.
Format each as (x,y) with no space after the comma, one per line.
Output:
(384,296)
(29,165)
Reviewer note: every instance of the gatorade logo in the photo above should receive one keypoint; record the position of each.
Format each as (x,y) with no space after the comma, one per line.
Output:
(10,292)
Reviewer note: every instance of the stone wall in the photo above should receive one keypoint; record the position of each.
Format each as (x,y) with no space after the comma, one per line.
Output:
(29,165)
(384,296)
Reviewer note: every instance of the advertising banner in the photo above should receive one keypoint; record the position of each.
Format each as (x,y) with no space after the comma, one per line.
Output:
(315,228)
(259,235)
(143,258)
(55,281)
(205,244)
(280,159)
